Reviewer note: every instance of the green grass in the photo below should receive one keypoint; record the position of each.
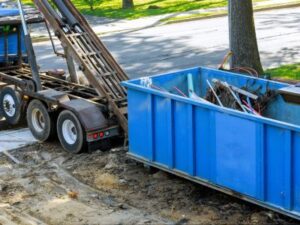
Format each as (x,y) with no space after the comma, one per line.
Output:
(289,72)
(113,9)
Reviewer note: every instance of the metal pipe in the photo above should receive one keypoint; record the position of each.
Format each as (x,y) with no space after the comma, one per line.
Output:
(24,25)
(30,52)
(20,53)
(71,20)
(52,12)
(52,42)
(190,84)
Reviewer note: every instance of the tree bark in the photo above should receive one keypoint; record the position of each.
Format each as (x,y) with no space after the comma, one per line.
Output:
(127,4)
(243,42)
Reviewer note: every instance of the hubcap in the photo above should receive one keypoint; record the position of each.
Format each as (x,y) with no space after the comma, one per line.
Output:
(38,120)
(9,105)
(69,132)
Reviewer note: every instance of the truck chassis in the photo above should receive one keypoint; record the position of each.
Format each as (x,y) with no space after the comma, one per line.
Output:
(83,117)
(89,108)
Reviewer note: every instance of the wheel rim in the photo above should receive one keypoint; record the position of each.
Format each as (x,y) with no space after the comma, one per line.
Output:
(38,120)
(69,132)
(9,105)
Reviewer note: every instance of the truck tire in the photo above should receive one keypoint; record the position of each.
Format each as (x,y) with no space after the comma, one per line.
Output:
(10,105)
(70,132)
(41,125)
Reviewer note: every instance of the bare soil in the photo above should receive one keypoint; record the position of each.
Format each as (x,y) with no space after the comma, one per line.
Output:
(51,186)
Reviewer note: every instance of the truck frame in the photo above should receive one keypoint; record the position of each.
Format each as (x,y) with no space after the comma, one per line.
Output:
(83,117)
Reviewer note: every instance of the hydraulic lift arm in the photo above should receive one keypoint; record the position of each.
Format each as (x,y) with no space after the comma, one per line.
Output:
(30,51)
(97,64)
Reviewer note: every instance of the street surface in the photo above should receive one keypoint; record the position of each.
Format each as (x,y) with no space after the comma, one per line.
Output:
(197,43)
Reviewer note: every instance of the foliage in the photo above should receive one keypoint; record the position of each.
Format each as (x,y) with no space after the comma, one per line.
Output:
(143,8)
(113,8)
(286,72)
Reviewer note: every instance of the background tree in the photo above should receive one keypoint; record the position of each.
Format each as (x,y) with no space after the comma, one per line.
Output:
(243,42)
(127,4)
(92,3)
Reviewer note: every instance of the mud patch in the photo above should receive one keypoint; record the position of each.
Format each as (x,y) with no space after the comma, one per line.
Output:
(111,188)
(40,189)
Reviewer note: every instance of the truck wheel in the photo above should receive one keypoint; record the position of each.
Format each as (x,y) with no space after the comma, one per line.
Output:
(41,125)
(10,105)
(70,132)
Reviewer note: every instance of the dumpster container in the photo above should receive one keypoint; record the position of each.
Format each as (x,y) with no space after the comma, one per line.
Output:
(9,38)
(256,158)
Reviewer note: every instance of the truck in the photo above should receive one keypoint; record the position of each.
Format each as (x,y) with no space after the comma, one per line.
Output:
(177,122)
(81,116)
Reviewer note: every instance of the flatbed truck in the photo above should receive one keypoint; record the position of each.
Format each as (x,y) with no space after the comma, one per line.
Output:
(83,117)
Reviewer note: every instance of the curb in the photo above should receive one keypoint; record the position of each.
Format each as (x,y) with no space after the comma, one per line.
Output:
(285,6)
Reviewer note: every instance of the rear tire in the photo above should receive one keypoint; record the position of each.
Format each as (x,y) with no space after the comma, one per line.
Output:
(10,105)
(70,132)
(41,125)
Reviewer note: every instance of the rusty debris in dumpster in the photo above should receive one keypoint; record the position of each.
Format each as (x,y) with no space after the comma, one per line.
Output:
(252,102)
(245,99)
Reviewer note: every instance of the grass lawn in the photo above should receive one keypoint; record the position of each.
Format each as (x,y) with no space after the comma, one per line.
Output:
(288,72)
(112,8)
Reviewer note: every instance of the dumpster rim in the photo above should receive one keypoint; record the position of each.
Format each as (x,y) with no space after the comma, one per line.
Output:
(270,121)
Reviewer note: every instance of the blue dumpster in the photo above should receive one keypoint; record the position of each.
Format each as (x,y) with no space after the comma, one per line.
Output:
(256,158)
(8,12)
(10,37)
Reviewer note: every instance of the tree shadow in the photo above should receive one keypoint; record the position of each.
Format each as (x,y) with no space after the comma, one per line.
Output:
(178,46)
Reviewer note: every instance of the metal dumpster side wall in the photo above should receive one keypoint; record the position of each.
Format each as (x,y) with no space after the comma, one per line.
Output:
(12,37)
(257,158)
(12,46)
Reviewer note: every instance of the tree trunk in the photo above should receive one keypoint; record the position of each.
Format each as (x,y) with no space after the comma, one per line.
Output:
(128,4)
(243,42)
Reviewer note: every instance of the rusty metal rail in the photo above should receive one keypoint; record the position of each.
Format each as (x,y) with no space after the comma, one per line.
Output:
(21,76)
(98,65)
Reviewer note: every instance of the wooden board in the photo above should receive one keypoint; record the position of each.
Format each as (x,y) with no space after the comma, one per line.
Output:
(291,94)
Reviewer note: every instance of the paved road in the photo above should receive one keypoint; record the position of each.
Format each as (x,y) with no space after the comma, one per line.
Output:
(203,42)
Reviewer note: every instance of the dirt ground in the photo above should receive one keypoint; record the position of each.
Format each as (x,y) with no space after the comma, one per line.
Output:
(50,186)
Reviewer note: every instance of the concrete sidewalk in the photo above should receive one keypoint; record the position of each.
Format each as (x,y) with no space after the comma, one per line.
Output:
(107,26)
(13,139)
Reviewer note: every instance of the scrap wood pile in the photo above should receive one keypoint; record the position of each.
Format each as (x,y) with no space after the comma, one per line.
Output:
(242,99)
(225,95)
